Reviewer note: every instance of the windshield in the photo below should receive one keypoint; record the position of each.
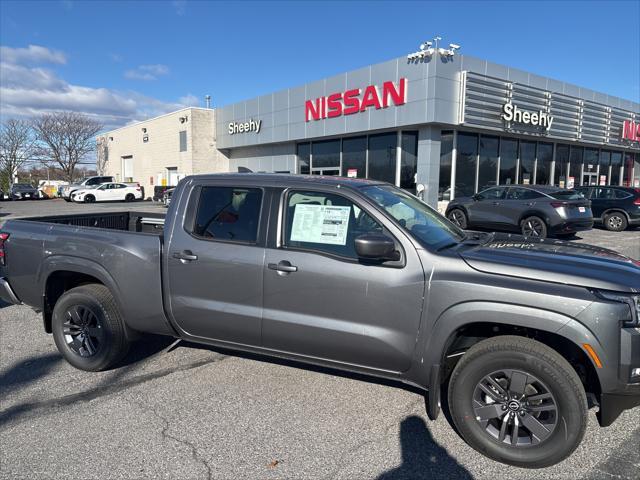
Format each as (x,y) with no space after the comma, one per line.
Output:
(425,224)
(566,195)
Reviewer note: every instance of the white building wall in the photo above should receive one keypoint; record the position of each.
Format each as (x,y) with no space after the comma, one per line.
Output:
(152,159)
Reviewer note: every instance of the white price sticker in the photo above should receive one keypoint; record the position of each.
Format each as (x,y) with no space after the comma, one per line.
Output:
(320,224)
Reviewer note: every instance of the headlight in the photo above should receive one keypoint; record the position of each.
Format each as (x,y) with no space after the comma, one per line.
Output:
(630,299)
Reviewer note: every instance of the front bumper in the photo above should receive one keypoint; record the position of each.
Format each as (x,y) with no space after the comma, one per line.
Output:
(626,393)
(6,294)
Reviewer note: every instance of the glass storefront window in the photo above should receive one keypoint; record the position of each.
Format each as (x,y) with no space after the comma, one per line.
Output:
(488,161)
(527,162)
(409,161)
(636,171)
(446,153)
(354,157)
(543,165)
(575,167)
(382,157)
(616,164)
(589,172)
(628,170)
(508,161)
(325,158)
(562,161)
(304,158)
(605,167)
(466,157)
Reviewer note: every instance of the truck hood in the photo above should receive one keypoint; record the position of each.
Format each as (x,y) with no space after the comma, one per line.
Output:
(555,261)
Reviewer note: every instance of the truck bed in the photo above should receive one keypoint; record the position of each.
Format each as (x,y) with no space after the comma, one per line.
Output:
(122,250)
(129,221)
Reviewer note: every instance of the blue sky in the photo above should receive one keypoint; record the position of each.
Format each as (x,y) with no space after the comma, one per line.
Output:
(121,61)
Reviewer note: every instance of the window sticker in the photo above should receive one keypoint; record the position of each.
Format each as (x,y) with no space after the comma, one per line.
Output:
(320,224)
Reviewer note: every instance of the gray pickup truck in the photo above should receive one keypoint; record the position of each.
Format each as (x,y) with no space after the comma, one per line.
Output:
(516,338)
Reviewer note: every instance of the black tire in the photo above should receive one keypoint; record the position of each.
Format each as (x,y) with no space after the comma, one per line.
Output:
(615,222)
(547,373)
(89,199)
(67,199)
(459,217)
(130,197)
(92,341)
(533,227)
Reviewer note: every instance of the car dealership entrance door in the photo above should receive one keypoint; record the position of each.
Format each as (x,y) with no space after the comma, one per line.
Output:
(590,178)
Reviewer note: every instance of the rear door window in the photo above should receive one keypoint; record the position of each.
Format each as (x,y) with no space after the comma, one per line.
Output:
(603,193)
(522,194)
(325,222)
(228,214)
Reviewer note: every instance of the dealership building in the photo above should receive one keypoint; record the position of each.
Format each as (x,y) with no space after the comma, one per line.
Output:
(448,123)
(433,121)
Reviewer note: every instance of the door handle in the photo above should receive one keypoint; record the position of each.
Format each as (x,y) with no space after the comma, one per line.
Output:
(283,266)
(185,256)
(496,203)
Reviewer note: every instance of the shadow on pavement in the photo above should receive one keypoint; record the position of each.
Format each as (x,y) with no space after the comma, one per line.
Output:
(422,457)
(27,371)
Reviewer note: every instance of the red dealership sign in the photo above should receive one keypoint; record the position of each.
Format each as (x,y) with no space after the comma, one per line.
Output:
(355,101)
(631,131)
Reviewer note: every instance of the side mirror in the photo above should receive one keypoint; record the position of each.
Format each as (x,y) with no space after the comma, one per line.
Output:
(376,246)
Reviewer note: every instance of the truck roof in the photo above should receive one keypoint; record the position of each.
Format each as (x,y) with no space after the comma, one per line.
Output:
(288,179)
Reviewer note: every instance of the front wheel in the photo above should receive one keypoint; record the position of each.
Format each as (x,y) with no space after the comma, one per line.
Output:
(519,402)
(87,328)
(89,199)
(458,217)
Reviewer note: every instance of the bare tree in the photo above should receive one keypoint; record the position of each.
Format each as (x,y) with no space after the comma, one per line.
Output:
(17,146)
(66,138)
(102,154)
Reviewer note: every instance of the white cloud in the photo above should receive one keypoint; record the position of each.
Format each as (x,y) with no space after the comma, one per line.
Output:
(33,54)
(116,57)
(147,72)
(189,100)
(28,90)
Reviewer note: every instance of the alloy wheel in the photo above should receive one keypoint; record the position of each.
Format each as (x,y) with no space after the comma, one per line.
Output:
(457,217)
(82,331)
(615,222)
(532,227)
(515,408)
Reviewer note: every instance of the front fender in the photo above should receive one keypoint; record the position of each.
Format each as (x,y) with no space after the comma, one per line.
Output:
(475,312)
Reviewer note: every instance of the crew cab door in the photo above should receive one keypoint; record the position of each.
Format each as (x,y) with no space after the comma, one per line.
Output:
(321,301)
(214,260)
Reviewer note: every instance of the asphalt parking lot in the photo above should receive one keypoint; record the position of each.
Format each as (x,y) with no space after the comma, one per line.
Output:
(191,412)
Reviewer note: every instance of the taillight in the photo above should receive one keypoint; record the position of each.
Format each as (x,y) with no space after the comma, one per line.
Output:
(636,201)
(3,257)
(559,204)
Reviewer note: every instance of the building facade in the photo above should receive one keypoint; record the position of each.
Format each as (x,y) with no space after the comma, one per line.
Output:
(162,150)
(452,124)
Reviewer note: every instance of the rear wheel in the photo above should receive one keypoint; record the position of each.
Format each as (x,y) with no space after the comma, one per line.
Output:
(458,217)
(89,199)
(130,197)
(533,227)
(518,401)
(615,221)
(87,328)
